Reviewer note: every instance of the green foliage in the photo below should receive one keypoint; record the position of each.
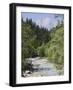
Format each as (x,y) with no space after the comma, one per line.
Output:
(55,48)
(32,37)
(41,50)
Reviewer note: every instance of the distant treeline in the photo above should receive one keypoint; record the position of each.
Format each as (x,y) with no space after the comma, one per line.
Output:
(39,41)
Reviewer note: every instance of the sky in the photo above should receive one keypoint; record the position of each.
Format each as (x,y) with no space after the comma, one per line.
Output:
(46,20)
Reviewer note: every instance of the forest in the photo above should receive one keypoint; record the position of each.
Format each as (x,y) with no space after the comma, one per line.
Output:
(41,42)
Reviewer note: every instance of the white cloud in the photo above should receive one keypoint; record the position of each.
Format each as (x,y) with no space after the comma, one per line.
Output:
(43,22)
(46,22)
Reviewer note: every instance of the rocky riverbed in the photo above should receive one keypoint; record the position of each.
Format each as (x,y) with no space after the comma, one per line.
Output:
(41,67)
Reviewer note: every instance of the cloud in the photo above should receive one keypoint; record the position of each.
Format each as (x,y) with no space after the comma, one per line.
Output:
(43,22)
(46,22)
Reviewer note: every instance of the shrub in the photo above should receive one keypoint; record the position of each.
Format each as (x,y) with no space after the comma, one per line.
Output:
(41,50)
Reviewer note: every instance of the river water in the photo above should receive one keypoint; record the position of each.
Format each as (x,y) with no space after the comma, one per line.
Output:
(42,67)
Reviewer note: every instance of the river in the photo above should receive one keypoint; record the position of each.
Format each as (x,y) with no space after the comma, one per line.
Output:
(42,67)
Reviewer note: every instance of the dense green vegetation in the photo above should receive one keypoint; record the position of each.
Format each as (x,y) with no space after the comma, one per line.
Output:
(54,49)
(38,41)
